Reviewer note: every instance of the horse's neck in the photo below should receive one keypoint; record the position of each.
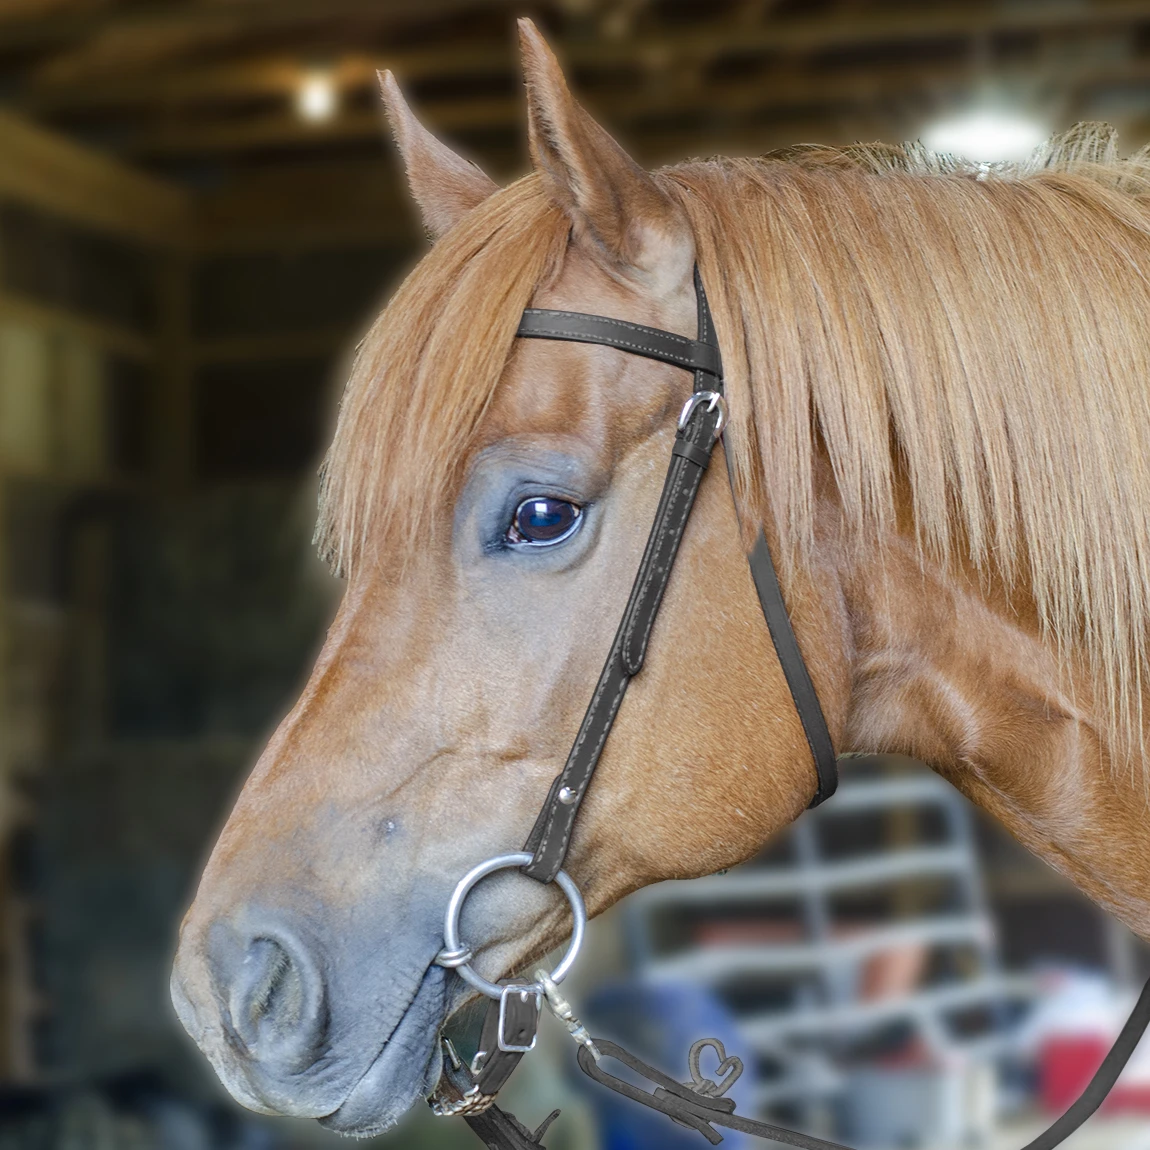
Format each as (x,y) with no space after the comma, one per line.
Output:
(949,672)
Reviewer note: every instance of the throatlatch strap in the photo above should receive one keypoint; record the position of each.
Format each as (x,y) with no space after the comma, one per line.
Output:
(795,670)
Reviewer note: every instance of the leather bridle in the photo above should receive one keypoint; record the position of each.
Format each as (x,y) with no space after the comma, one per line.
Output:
(699,427)
(509,1028)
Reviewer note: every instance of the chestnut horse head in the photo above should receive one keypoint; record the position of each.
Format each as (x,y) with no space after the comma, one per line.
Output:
(943,535)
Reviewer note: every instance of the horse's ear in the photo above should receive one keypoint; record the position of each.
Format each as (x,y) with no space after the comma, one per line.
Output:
(618,212)
(445,186)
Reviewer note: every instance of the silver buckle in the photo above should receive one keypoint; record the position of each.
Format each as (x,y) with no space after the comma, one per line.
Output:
(523,992)
(712,399)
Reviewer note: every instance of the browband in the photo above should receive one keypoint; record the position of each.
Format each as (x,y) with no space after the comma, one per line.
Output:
(699,429)
(582,327)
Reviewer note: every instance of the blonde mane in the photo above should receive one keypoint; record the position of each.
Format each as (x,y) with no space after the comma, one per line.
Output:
(979,331)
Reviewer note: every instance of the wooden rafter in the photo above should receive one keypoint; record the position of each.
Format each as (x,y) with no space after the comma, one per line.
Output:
(216,77)
(788,100)
(52,86)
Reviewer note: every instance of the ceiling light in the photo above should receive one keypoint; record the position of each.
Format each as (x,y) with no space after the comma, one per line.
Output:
(316,97)
(986,137)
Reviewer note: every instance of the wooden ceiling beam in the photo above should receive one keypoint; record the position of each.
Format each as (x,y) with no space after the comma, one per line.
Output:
(279,76)
(166,107)
(259,76)
(43,32)
(247,19)
(41,168)
(918,88)
(172,87)
(286,131)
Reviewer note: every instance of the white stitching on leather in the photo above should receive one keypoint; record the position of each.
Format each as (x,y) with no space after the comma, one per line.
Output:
(615,323)
(682,480)
(573,809)
(613,341)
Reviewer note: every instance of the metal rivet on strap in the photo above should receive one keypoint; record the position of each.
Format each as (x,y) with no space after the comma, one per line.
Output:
(566,796)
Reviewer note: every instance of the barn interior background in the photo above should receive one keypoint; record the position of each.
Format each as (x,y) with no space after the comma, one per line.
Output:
(198,214)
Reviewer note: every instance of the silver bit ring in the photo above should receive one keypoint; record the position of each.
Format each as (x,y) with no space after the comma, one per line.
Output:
(453,952)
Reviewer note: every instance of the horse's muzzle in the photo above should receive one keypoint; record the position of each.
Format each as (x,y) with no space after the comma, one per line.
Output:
(292,1029)
(256,1003)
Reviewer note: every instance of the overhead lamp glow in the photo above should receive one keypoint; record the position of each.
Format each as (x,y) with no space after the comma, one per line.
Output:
(316,98)
(986,137)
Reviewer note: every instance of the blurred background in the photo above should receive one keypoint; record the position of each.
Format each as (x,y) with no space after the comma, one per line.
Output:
(198,216)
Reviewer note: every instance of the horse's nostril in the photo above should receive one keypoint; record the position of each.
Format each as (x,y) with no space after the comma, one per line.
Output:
(276,1003)
(276,998)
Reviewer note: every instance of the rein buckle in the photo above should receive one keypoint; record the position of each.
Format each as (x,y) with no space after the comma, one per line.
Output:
(518,1019)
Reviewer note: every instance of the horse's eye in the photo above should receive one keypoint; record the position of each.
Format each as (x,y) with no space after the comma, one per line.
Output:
(542,521)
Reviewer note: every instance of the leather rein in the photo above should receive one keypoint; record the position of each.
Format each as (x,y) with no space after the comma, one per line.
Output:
(510,1025)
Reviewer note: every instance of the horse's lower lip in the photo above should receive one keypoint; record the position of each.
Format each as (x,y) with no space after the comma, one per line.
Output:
(404,1071)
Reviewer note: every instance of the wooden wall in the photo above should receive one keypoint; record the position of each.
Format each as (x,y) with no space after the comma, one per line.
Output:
(87,251)
(168,364)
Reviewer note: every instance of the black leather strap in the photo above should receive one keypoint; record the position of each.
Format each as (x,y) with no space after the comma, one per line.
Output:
(551,834)
(502,1131)
(550,837)
(702,1113)
(581,327)
(516,1021)
(690,455)
(497,1129)
(795,670)
(1104,1077)
(698,456)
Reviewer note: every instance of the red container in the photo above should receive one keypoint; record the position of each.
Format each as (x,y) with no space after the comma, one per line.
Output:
(1067,1063)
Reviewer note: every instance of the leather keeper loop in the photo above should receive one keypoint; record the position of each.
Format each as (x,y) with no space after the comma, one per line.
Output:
(699,456)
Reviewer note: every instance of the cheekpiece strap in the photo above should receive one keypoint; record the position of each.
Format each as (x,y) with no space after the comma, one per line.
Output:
(700,425)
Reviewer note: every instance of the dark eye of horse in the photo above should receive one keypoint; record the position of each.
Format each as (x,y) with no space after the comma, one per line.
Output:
(543,521)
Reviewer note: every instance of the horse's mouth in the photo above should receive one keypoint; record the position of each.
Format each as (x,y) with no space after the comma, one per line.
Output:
(406,1069)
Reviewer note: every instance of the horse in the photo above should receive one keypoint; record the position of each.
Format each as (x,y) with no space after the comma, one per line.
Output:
(936,375)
